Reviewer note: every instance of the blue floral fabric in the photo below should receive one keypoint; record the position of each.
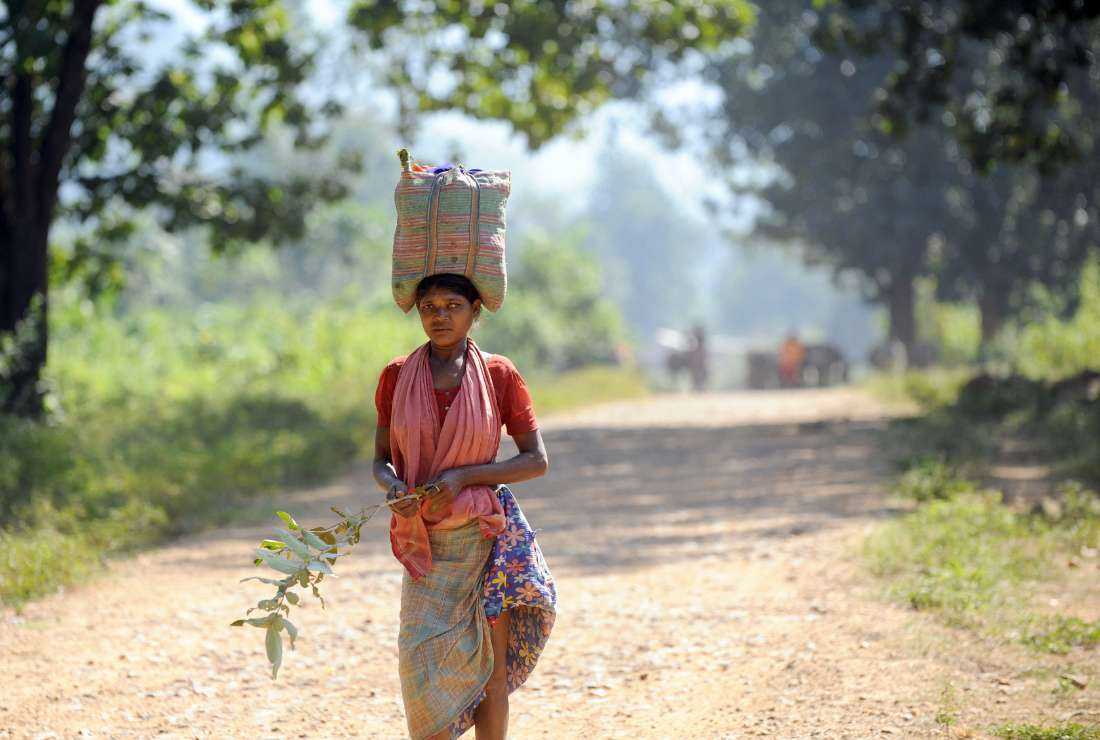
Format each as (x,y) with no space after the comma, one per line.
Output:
(516,577)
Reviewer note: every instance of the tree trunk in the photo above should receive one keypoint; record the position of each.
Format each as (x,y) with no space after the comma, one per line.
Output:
(24,300)
(901,301)
(992,312)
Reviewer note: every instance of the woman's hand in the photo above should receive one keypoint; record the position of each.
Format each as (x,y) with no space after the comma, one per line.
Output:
(449,483)
(404,508)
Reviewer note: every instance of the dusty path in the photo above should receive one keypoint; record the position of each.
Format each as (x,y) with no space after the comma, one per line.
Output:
(703,548)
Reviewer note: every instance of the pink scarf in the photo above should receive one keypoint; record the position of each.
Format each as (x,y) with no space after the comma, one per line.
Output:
(423,448)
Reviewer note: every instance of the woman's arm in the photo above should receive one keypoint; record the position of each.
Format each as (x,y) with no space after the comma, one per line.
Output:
(531,462)
(386,475)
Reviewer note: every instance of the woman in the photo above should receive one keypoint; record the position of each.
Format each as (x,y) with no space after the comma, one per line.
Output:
(477,599)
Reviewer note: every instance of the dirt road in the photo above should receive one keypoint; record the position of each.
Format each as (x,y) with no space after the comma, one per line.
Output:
(704,553)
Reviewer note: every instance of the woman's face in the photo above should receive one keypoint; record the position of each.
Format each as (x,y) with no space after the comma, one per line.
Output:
(447,316)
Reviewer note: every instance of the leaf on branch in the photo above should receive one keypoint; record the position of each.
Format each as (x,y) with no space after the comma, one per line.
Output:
(272,545)
(319,539)
(274,645)
(319,566)
(291,632)
(288,519)
(300,548)
(278,563)
(268,581)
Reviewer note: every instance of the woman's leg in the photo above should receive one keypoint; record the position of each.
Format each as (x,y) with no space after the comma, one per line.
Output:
(491,716)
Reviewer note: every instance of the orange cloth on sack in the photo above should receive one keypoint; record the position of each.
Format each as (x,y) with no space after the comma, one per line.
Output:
(424,445)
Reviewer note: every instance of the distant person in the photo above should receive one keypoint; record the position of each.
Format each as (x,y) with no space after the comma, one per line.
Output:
(792,356)
(697,357)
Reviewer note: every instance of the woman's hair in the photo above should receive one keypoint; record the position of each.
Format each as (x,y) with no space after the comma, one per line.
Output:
(449,281)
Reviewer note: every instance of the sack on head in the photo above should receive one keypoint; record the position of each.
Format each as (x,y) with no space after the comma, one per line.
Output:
(449,219)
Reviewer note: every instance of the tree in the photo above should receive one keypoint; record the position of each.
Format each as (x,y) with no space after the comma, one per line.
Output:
(96,122)
(1013,81)
(1013,229)
(864,200)
(854,199)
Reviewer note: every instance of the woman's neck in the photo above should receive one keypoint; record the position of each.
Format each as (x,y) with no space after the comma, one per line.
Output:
(447,355)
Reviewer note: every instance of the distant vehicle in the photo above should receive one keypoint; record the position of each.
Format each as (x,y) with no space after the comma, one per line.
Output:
(821,365)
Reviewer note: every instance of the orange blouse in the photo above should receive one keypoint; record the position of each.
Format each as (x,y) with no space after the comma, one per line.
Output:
(517,410)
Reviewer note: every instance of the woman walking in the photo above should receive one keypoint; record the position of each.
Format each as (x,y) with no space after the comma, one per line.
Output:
(477,598)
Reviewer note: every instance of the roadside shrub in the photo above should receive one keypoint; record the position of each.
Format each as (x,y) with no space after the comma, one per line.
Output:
(986,396)
(959,556)
(1069,731)
(931,479)
(1060,634)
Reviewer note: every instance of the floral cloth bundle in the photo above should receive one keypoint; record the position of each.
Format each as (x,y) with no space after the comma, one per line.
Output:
(449,219)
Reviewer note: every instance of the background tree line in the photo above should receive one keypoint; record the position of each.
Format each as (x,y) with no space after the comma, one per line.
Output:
(950,140)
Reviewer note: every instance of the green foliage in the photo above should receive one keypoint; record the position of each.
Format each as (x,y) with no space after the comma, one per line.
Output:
(586,386)
(1069,731)
(962,556)
(174,417)
(931,479)
(1053,347)
(930,389)
(941,435)
(147,122)
(851,194)
(557,316)
(171,419)
(309,557)
(969,557)
(1009,83)
(1060,634)
(537,65)
(954,329)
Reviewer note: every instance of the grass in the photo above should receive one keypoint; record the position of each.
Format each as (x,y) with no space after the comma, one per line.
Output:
(585,386)
(1061,634)
(928,389)
(1070,731)
(965,555)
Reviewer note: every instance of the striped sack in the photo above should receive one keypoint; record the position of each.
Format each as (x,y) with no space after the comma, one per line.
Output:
(449,219)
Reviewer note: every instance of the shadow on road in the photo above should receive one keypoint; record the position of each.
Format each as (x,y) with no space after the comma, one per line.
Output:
(625,498)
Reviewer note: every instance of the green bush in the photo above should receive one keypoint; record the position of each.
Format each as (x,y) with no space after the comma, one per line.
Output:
(1051,347)
(1070,731)
(170,419)
(966,555)
(931,479)
(960,556)
(1060,634)
(986,397)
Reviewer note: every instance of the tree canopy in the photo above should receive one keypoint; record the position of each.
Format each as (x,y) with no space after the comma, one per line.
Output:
(1013,81)
(892,205)
(101,118)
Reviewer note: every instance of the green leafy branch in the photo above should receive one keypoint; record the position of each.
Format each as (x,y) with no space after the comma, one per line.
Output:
(305,557)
